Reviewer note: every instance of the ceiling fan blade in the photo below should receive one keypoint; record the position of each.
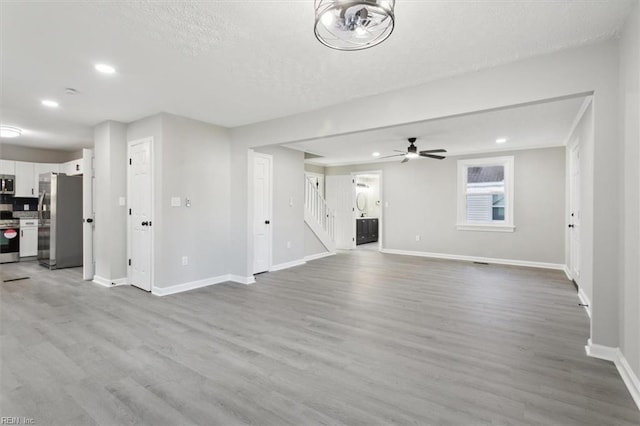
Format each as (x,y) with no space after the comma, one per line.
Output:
(397,150)
(389,156)
(431,151)
(404,160)
(437,157)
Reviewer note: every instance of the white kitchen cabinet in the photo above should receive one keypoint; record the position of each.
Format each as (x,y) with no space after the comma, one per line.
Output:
(28,237)
(7,167)
(71,168)
(44,168)
(25,180)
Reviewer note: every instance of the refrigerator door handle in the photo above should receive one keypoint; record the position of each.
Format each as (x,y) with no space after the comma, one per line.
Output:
(40,206)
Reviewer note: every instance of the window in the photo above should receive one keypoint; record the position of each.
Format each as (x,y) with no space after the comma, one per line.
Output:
(485,194)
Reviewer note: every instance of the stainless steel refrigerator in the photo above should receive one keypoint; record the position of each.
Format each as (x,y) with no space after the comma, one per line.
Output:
(60,220)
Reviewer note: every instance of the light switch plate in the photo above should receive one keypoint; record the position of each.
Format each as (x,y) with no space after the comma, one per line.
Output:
(175,202)
(122,201)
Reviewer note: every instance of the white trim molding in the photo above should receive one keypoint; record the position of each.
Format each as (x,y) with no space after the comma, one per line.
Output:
(191,285)
(318,256)
(512,262)
(616,356)
(287,265)
(485,227)
(584,299)
(242,280)
(506,225)
(109,283)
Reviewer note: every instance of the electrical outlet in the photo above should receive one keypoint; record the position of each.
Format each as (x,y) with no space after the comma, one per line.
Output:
(175,202)
(417,237)
(185,260)
(288,244)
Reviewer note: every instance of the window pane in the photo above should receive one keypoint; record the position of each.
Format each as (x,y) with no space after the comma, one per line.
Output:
(485,193)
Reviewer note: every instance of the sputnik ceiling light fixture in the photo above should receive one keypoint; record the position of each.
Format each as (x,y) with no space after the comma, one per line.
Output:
(353,24)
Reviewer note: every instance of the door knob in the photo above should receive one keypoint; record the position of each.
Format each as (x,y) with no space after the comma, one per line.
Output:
(266,222)
(89,220)
(571,226)
(145,223)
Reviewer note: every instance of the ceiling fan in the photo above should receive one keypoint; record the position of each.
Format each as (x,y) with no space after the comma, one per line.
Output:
(412,152)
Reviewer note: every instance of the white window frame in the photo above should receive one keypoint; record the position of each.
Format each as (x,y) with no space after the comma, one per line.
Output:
(496,226)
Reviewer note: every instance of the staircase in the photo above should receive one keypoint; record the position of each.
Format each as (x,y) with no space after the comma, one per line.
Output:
(317,215)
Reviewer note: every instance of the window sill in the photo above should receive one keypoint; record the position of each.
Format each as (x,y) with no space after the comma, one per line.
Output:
(485,227)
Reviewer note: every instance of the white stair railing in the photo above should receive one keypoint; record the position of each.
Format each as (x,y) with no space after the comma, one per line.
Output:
(316,206)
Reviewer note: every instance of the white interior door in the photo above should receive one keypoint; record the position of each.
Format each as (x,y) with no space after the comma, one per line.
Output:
(340,198)
(140,209)
(88,177)
(262,198)
(574,212)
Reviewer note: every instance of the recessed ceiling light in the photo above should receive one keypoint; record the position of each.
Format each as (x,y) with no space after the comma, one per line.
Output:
(501,140)
(9,132)
(376,154)
(105,69)
(50,103)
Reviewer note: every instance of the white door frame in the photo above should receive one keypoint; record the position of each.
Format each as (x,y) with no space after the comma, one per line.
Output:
(153,210)
(252,157)
(573,220)
(88,215)
(355,213)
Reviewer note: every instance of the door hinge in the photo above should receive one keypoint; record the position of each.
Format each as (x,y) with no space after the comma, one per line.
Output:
(130,161)
(129,212)
(129,262)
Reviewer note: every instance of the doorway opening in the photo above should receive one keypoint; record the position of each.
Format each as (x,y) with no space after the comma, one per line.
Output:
(367,210)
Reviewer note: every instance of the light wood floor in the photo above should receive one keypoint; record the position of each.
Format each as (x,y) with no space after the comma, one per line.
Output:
(359,338)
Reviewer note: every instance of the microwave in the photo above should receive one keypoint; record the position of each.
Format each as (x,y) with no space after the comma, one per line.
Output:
(7,184)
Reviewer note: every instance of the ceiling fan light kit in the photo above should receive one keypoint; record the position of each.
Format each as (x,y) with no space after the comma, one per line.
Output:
(412,152)
(353,24)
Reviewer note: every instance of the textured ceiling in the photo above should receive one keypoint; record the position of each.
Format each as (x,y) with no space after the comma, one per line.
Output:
(531,126)
(237,62)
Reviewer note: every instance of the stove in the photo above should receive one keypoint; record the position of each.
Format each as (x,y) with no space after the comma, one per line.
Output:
(9,237)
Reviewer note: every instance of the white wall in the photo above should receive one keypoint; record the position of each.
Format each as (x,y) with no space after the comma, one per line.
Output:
(195,165)
(312,245)
(589,69)
(110,250)
(629,115)
(36,155)
(288,225)
(190,159)
(422,200)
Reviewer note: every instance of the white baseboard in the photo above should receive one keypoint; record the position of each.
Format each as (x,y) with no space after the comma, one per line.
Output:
(584,299)
(318,256)
(601,352)
(527,263)
(567,273)
(616,356)
(287,265)
(191,285)
(242,280)
(109,283)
